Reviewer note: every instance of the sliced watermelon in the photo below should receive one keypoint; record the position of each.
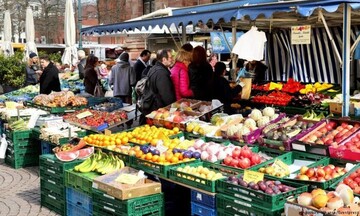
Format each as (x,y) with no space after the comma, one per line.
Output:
(85,152)
(67,156)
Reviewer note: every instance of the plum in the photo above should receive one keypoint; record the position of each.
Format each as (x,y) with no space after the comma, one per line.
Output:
(251,184)
(277,183)
(255,187)
(232,178)
(262,187)
(243,183)
(235,182)
(269,191)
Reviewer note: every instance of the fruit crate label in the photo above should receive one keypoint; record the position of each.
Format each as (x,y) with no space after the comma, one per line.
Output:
(49,160)
(280,167)
(242,203)
(84,114)
(10,105)
(108,196)
(109,209)
(52,182)
(252,176)
(51,171)
(243,197)
(298,147)
(160,146)
(52,197)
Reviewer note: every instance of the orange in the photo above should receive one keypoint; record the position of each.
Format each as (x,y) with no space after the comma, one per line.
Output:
(139,153)
(148,156)
(155,158)
(132,152)
(137,148)
(174,160)
(143,157)
(106,143)
(124,140)
(112,143)
(186,160)
(118,141)
(154,142)
(176,130)
(177,154)
(162,158)
(168,156)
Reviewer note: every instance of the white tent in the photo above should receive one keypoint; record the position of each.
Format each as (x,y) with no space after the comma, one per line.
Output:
(30,33)
(7,46)
(70,54)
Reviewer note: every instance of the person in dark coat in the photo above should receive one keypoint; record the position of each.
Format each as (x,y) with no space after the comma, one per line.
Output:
(82,63)
(123,78)
(32,70)
(160,82)
(90,74)
(141,63)
(259,71)
(221,87)
(49,79)
(200,74)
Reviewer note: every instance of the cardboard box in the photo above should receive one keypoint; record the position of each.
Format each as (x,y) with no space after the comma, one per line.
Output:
(107,184)
(336,108)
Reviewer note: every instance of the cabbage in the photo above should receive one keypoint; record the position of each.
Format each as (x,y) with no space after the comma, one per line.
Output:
(263,121)
(231,130)
(250,123)
(268,111)
(255,114)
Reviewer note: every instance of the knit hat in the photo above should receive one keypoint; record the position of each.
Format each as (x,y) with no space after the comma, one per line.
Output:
(32,55)
(124,57)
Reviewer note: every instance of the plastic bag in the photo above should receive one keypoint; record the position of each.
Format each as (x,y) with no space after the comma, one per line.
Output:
(109,93)
(3,146)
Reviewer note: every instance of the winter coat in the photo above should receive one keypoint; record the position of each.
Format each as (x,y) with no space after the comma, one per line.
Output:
(81,67)
(31,76)
(180,79)
(200,76)
(123,77)
(49,79)
(161,85)
(139,67)
(90,80)
(222,91)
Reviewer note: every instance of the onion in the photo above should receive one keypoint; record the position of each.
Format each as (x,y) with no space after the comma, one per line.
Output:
(335,203)
(212,158)
(204,155)
(198,143)
(340,187)
(221,155)
(305,199)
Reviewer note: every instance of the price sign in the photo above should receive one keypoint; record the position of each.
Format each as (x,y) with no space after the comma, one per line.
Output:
(10,105)
(107,132)
(280,167)
(84,114)
(252,176)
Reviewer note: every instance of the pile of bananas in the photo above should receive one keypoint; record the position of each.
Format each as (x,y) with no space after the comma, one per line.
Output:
(315,87)
(20,124)
(100,162)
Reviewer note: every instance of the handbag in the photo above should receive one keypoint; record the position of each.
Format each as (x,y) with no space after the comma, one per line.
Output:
(98,91)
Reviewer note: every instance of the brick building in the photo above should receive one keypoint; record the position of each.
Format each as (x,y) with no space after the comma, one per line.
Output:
(114,11)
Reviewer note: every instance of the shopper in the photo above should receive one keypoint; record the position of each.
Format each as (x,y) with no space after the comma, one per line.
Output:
(160,82)
(180,75)
(213,59)
(123,78)
(49,78)
(141,63)
(200,74)
(221,89)
(90,74)
(82,63)
(32,70)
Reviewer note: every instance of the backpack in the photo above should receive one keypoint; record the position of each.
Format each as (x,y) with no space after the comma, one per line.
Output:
(145,95)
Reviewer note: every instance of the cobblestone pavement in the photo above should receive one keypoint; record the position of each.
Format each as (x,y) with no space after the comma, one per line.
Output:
(20,192)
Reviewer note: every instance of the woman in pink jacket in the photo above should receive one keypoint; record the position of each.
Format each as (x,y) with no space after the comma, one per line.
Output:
(180,75)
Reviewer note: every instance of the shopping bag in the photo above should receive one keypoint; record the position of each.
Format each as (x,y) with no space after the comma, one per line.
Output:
(3,146)
(109,93)
(98,91)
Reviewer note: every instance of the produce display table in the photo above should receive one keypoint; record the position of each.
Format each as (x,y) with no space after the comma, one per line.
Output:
(188,186)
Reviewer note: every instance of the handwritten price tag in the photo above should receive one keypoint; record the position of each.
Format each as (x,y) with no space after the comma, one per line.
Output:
(84,114)
(252,176)
(280,167)
(10,105)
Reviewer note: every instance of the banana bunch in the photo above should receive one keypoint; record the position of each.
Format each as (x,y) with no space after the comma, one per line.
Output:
(311,115)
(20,124)
(100,162)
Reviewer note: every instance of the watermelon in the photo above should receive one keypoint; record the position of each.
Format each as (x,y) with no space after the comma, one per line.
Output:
(85,152)
(67,156)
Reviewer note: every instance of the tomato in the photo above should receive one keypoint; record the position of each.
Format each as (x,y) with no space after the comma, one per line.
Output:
(347,180)
(353,175)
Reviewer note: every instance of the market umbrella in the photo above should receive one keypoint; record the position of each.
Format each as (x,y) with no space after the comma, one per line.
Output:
(70,54)
(30,33)
(7,46)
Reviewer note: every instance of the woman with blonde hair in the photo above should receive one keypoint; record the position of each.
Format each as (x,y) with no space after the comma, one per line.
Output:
(32,70)
(180,75)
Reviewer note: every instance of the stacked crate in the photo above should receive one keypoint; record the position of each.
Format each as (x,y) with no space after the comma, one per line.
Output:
(22,150)
(79,189)
(52,182)
(202,204)
(106,205)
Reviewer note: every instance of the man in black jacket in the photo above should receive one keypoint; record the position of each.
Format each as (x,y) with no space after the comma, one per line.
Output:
(49,79)
(141,63)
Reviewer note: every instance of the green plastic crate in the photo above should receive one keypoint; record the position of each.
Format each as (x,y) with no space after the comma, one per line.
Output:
(21,143)
(122,156)
(192,180)
(136,206)
(51,165)
(53,202)
(20,162)
(326,184)
(257,197)
(289,157)
(235,171)
(53,186)
(80,181)
(154,168)
(55,110)
(228,206)
(191,136)
(18,135)
(20,151)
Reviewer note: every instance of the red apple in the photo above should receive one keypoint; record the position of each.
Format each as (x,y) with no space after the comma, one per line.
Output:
(334,175)
(303,177)
(327,177)
(323,130)
(328,142)
(328,170)
(339,139)
(338,169)
(234,162)
(355,139)
(313,178)
(320,172)
(310,172)
(358,135)
(320,179)
(236,153)
(332,166)
(344,124)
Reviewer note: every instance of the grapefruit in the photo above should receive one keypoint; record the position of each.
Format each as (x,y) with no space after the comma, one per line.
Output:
(67,156)
(85,152)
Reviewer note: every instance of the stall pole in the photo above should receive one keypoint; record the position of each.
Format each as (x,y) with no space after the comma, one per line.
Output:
(233,55)
(346,60)
(79,23)
(183,34)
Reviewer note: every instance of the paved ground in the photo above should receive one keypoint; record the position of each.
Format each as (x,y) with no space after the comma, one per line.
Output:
(20,192)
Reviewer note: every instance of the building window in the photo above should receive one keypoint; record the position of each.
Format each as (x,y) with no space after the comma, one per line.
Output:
(36,8)
(149,6)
